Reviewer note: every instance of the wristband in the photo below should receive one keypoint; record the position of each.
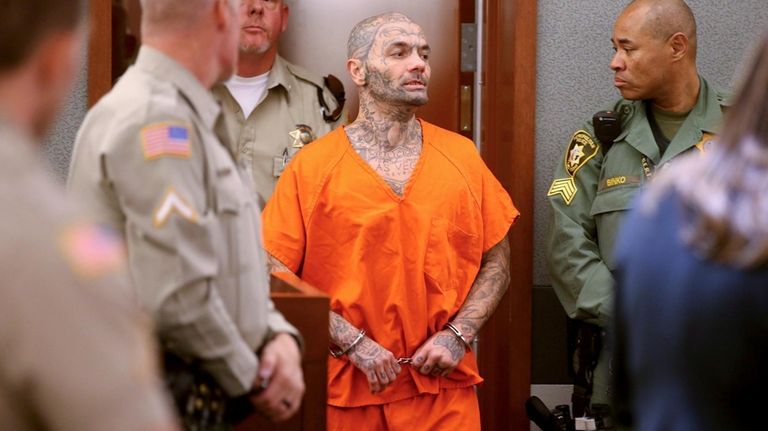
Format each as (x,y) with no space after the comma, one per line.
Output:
(449,326)
(340,353)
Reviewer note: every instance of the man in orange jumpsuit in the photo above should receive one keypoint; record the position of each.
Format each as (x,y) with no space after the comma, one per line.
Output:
(404,226)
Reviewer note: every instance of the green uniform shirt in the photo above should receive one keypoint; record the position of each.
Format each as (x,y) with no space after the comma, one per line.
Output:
(267,140)
(591,192)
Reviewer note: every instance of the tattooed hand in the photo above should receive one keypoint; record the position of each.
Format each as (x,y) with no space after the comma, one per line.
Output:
(439,355)
(377,363)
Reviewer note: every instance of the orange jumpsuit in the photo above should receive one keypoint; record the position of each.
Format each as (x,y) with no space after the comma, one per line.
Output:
(397,267)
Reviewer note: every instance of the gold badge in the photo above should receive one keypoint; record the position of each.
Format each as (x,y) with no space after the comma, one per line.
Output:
(302,136)
(706,142)
(581,149)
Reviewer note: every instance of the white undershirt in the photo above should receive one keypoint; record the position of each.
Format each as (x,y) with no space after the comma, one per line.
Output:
(247,91)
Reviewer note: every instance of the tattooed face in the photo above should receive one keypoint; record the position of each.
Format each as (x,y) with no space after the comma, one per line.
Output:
(398,65)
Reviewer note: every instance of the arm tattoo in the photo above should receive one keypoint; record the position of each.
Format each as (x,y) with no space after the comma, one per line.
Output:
(452,344)
(489,287)
(342,332)
(274,265)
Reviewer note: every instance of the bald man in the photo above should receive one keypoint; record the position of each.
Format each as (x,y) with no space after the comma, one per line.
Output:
(148,163)
(666,110)
(404,227)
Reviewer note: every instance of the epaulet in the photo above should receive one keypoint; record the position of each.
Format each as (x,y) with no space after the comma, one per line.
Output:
(305,75)
(626,110)
(725,99)
(329,84)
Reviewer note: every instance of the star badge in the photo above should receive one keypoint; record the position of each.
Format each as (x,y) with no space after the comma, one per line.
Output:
(303,135)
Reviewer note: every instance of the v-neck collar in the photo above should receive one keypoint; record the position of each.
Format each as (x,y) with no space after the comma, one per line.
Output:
(425,146)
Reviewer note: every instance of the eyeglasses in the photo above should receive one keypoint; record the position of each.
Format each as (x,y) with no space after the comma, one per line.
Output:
(270,5)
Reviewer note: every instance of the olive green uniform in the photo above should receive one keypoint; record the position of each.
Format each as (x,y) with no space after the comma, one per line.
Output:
(148,162)
(272,134)
(76,353)
(590,194)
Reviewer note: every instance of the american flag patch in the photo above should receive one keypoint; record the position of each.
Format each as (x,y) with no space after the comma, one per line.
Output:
(92,251)
(165,140)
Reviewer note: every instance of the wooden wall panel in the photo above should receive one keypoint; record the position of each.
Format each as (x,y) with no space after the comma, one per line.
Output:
(99,50)
(508,149)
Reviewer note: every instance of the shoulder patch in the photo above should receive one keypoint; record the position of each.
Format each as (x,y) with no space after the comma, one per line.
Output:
(165,140)
(581,149)
(92,251)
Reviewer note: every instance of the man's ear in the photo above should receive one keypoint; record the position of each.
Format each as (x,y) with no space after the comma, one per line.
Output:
(357,71)
(285,12)
(679,44)
(222,14)
(58,58)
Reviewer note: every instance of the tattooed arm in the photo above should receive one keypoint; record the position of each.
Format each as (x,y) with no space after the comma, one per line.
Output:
(442,352)
(377,363)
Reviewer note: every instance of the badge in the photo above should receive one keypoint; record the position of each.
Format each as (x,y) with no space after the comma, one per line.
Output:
(564,187)
(581,149)
(302,136)
(706,142)
(173,203)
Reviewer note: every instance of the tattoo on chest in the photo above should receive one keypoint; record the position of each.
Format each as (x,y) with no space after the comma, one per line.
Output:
(394,163)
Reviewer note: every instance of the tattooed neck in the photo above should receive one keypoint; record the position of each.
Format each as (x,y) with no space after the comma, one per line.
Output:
(390,140)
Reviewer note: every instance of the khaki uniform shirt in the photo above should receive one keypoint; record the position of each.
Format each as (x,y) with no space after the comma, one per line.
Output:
(76,353)
(592,191)
(148,162)
(271,135)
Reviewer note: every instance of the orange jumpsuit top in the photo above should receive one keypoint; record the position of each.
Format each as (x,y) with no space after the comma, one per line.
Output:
(397,267)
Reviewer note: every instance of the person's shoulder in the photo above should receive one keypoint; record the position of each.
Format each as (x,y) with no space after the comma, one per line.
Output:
(136,102)
(448,142)
(308,77)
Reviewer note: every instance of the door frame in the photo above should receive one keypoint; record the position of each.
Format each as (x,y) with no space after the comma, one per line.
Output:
(509,138)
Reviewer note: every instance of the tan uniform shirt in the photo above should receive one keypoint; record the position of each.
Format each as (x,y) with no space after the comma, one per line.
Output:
(76,355)
(147,161)
(268,138)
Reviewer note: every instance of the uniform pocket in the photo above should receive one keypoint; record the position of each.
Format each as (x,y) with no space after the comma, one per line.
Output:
(452,257)
(614,199)
(228,191)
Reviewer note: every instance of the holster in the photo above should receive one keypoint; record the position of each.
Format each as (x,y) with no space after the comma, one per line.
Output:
(201,404)
(585,341)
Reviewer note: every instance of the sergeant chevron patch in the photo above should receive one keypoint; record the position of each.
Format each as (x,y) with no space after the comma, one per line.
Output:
(564,187)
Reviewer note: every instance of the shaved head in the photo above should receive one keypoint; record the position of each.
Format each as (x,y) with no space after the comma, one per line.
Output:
(663,18)
(364,33)
(158,15)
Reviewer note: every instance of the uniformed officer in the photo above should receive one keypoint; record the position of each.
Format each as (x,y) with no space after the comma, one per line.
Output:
(272,107)
(149,163)
(76,353)
(667,109)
